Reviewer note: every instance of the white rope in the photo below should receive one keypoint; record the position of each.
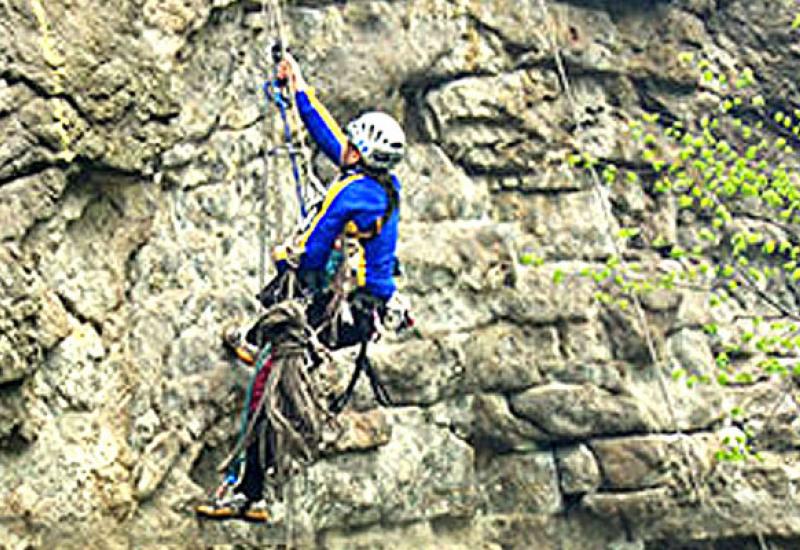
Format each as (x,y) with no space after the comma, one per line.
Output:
(609,218)
(272,13)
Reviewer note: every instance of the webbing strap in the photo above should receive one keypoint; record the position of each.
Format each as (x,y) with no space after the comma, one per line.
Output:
(378,389)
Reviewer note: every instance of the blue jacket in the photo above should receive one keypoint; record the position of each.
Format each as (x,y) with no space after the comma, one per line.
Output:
(353,203)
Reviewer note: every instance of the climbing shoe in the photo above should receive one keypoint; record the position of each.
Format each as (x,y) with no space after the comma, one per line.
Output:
(256,512)
(233,337)
(237,506)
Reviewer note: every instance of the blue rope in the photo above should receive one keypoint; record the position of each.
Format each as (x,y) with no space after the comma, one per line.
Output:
(262,359)
(273,92)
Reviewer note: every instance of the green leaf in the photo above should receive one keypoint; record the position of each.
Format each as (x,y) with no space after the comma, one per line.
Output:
(737,412)
(558,276)
(651,118)
(628,232)
(796,22)
(677,252)
(769,246)
(678,373)
(660,242)
(758,101)
(705,234)
(529,258)
(722,379)
(603,297)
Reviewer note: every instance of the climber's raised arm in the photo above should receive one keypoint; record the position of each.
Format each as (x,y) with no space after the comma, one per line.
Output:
(321,125)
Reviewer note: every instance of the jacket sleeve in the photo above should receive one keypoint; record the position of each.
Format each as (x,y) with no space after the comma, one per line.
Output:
(341,203)
(321,125)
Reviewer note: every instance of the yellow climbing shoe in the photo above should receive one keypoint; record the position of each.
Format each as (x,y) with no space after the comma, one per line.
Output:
(233,337)
(236,507)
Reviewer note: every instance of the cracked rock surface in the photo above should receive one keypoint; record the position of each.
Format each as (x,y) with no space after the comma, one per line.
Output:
(135,193)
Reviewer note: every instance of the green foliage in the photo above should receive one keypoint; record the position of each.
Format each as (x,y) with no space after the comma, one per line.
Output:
(731,173)
(529,258)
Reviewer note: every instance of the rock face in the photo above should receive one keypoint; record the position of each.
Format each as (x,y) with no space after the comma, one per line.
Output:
(135,196)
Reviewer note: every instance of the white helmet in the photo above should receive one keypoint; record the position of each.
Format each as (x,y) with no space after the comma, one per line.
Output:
(379,138)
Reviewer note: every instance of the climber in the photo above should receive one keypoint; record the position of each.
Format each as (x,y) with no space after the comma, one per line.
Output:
(359,219)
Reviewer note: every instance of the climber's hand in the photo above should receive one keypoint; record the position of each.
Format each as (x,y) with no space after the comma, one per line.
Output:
(398,313)
(288,68)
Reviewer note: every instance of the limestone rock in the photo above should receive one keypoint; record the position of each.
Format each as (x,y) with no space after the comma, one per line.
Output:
(28,200)
(158,458)
(463,113)
(578,469)
(361,431)
(521,483)
(423,472)
(568,411)
(435,190)
(638,462)
(692,352)
(566,226)
(496,427)
(418,372)
(537,298)
(505,357)
(139,198)
(542,531)
(587,342)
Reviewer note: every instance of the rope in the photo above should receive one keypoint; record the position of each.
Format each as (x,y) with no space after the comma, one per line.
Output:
(272,14)
(247,421)
(608,215)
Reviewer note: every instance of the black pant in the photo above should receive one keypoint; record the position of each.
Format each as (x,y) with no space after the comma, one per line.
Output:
(252,485)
